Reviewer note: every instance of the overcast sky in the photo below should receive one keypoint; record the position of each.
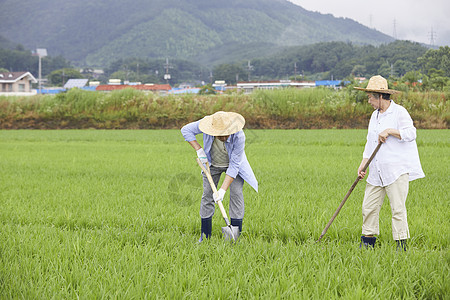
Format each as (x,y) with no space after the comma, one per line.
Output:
(415,20)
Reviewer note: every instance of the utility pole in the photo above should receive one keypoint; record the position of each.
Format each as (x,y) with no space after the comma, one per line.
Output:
(249,69)
(167,75)
(295,71)
(137,71)
(41,52)
(126,74)
(40,73)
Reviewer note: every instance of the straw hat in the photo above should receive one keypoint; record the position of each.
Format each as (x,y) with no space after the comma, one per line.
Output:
(377,84)
(222,123)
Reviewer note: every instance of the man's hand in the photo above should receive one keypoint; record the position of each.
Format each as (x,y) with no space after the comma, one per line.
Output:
(219,195)
(202,156)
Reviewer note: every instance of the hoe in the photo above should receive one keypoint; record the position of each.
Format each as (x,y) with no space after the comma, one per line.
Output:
(229,232)
(348,193)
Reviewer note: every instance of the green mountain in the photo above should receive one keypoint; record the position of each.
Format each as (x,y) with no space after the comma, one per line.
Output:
(95,33)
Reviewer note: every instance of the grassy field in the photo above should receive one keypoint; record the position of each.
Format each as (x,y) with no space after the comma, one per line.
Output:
(114,214)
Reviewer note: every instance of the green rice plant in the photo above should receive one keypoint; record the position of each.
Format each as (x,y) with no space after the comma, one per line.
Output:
(114,214)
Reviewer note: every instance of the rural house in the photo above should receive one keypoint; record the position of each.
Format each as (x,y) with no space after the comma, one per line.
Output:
(16,83)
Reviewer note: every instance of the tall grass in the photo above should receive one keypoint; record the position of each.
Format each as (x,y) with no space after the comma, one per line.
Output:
(287,108)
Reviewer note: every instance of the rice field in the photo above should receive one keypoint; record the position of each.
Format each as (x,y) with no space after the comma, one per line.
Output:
(114,214)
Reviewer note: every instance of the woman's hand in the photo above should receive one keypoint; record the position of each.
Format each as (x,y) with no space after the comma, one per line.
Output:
(362,173)
(383,136)
(386,133)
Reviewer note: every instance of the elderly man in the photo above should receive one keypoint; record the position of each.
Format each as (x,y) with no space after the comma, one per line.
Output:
(395,165)
(224,144)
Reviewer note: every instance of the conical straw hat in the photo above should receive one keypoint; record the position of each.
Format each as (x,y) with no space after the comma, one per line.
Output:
(222,123)
(377,84)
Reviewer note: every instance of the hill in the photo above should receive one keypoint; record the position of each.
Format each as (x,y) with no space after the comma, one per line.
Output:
(208,31)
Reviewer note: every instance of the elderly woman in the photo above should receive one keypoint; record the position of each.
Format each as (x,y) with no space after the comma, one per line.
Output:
(396,163)
(224,143)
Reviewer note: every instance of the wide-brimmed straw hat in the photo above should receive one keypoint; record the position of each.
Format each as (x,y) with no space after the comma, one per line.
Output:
(377,84)
(222,123)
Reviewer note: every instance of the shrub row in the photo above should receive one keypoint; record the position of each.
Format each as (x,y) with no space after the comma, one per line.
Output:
(286,109)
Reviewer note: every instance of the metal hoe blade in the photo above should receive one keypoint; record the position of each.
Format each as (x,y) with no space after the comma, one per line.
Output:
(231,233)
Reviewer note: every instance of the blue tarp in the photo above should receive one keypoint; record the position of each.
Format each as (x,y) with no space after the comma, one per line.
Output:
(328,82)
(184,91)
(51,91)
(89,88)
(61,90)
(220,88)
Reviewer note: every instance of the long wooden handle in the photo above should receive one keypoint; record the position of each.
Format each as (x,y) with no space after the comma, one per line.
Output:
(348,193)
(214,189)
(208,175)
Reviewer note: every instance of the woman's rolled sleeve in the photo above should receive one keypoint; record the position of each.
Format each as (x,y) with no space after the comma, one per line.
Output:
(406,126)
(408,134)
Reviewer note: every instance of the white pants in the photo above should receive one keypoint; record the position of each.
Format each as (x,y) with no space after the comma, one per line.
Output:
(373,199)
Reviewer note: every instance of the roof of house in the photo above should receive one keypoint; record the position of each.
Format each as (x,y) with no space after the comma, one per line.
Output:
(10,77)
(142,87)
(75,83)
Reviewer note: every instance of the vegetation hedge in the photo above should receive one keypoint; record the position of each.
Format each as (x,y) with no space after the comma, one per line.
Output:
(286,109)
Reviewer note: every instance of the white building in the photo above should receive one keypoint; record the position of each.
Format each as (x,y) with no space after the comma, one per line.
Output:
(17,84)
(249,87)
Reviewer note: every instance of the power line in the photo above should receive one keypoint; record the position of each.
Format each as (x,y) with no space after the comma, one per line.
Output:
(432,36)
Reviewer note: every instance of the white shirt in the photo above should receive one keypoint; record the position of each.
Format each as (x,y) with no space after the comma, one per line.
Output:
(396,156)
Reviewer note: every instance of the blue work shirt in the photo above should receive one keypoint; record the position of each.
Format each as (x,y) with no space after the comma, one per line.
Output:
(235,145)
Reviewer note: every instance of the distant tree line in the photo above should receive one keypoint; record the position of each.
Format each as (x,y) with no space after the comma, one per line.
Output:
(340,60)
(332,60)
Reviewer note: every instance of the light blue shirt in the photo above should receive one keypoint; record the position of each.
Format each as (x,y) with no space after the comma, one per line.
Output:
(235,145)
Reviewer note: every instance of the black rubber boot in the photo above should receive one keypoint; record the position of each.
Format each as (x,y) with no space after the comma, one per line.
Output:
(367,241)
(401,245)
(206,228)
(237,223)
